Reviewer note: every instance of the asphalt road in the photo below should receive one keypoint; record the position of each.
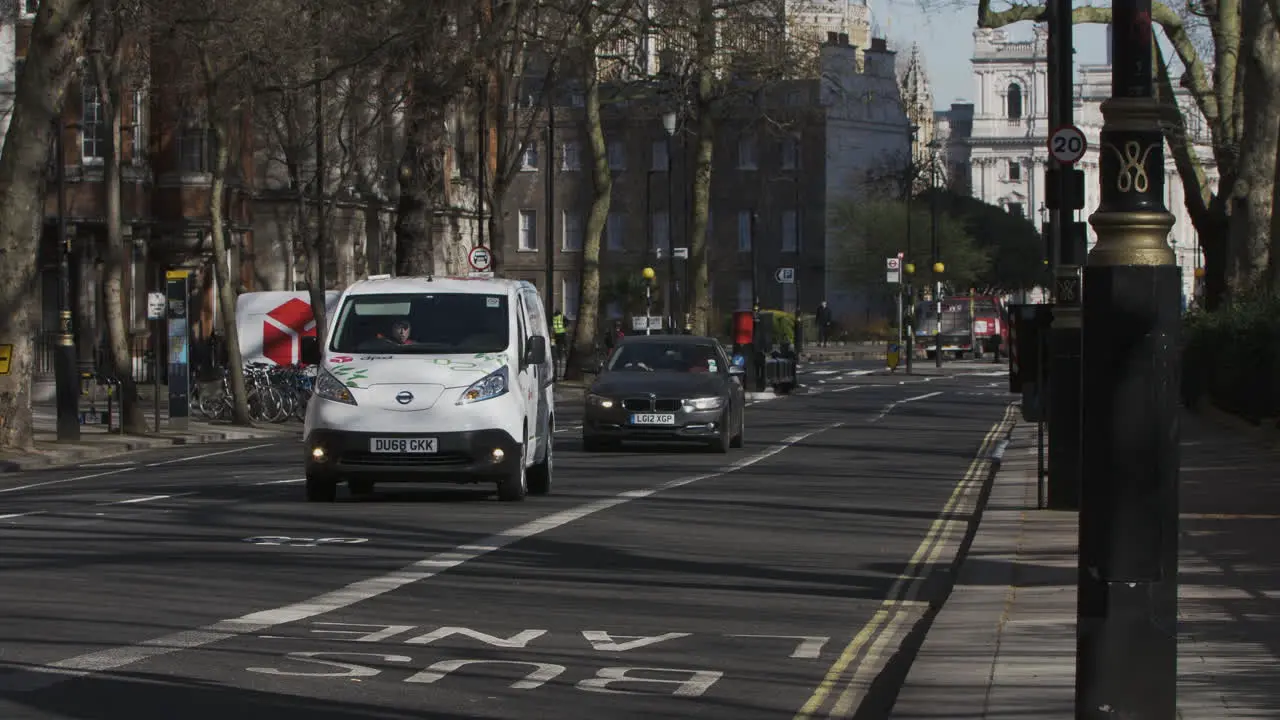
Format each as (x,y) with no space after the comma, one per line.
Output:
(653,583)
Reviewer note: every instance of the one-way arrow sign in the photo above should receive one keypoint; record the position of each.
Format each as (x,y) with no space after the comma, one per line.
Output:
(785,275)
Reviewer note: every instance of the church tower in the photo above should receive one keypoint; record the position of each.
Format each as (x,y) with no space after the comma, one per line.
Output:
(918,101)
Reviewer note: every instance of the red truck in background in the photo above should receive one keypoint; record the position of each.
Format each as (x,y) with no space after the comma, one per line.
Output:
(983,331)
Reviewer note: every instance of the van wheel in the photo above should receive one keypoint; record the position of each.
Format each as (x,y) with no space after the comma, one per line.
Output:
(515,485)
(540,473)
(321,489)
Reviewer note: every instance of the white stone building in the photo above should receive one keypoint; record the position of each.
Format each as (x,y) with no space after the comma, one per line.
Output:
(8,69)
(1006,142)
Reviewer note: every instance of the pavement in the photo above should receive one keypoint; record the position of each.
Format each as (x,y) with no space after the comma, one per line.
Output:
(99,442)
(779,580)
(1003,644)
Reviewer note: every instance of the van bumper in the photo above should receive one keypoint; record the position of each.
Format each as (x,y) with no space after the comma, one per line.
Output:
(459,457)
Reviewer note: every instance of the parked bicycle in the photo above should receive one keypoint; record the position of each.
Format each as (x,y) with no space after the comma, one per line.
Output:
(275,393)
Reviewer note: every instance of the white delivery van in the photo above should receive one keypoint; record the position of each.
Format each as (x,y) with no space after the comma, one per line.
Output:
(432,380)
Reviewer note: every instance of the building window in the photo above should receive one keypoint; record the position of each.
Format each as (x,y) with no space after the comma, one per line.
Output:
(744,231)
(1015,170)
(617,155)
(570,295)
(577,99)
(790,153)
(572,159)
(747,152)
(659,154)
(30,7)
(571,229)
(528,230)
(1013,102)
(789,297)
(613,310)
(139,122)
(744,294)
(197,150)
(615,232)
(93,126)
(1015,209)
(790,232)
(660,232)
(529,158)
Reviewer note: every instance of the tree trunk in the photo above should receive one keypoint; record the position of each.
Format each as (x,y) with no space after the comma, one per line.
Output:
(1251,218)
(496,236)
(700,291)
(226,285)
(587,327)
(421,179)
(118,257)
(57,39)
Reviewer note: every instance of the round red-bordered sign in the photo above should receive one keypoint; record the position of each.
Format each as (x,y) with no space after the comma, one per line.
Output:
(480,258)
(1067,144)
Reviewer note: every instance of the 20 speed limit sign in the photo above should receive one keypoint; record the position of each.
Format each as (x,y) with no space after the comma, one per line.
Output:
(1067,144)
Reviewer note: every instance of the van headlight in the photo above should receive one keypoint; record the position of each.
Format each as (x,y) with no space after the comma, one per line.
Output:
(705,403)
(330,388)
(486,388)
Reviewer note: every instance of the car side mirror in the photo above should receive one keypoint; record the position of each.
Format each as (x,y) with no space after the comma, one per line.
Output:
(536,352)
(309,350)
(737,371)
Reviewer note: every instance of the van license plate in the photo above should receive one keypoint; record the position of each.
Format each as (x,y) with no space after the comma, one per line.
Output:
(653,419)
(403,445)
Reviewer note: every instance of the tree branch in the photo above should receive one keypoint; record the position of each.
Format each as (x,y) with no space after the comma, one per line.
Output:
(1194,180)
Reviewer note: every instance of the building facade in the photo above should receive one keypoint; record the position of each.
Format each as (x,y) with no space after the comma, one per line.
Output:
(775,178)
(1003,139)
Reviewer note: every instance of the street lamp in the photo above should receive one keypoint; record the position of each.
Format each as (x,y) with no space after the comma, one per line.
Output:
(910,270)
(648,274)
(669,124)
(908,190)
(66,382)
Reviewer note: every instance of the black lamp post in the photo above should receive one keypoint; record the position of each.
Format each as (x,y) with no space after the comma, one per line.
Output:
(65,363)
(671,290)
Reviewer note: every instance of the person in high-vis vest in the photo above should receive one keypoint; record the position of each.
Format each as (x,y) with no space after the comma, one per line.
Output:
(560,334)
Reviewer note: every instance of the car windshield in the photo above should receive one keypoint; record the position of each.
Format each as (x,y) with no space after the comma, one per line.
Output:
(668,357)
(437,323)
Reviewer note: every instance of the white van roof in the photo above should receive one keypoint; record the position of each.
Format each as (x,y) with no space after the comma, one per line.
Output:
(460,285)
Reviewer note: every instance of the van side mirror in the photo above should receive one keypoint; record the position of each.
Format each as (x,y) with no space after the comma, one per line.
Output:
(536,351)
(309,350)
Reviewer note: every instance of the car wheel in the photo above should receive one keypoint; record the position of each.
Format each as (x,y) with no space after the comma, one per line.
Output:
(321,489)
(360,487)
(721,443)
(540,474)
(736,440)
(515,485)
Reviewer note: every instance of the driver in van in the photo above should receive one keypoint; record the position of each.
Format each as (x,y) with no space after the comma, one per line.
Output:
(400,333)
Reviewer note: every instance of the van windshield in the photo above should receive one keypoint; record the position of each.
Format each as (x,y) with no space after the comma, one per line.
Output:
(439,323)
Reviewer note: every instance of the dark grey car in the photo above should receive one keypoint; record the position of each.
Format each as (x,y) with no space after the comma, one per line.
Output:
(666,388)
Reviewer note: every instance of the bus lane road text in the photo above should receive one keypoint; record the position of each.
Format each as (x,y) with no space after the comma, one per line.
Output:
(359,661)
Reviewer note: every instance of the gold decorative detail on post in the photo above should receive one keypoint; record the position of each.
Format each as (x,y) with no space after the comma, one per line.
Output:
(1132,238)
(1133,167)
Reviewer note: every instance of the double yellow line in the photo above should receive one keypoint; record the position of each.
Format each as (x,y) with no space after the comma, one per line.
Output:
(884,623)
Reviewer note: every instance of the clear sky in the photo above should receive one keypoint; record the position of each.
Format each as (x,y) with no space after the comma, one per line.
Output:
(944,31)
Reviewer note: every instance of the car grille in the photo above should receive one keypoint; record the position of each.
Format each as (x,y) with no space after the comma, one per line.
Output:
(362,457)
(648,405)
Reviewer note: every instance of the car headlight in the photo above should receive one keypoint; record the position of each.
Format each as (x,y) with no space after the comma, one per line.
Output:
(328,387)
(706,403)
(486,388)
(600,401)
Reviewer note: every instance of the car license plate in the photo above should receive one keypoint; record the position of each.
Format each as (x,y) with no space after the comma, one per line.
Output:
(653,419)
(403,445)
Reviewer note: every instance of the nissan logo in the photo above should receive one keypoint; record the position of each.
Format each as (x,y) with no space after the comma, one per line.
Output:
(405,397)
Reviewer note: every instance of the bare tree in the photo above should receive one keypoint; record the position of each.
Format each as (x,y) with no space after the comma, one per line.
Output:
(57,39)
(114,52)
(1236,92)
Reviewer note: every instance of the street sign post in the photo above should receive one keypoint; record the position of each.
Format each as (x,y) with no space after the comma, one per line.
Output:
(681,253)
(480,258)
(1067,144)
(785,275)
(893,270)
(155,305)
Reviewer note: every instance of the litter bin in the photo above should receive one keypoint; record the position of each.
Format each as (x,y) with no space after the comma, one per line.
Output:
(893,357)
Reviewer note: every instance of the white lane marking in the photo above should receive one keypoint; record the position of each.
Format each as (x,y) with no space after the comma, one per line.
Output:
(889,408)
(823,372)
(209,455)
(21,514)
(281,482)
(64,480)
(89,466)
(38,678)
(150,498)
(858,373)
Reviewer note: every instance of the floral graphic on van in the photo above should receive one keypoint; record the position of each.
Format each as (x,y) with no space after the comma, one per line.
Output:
(480,361)
(350,376)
